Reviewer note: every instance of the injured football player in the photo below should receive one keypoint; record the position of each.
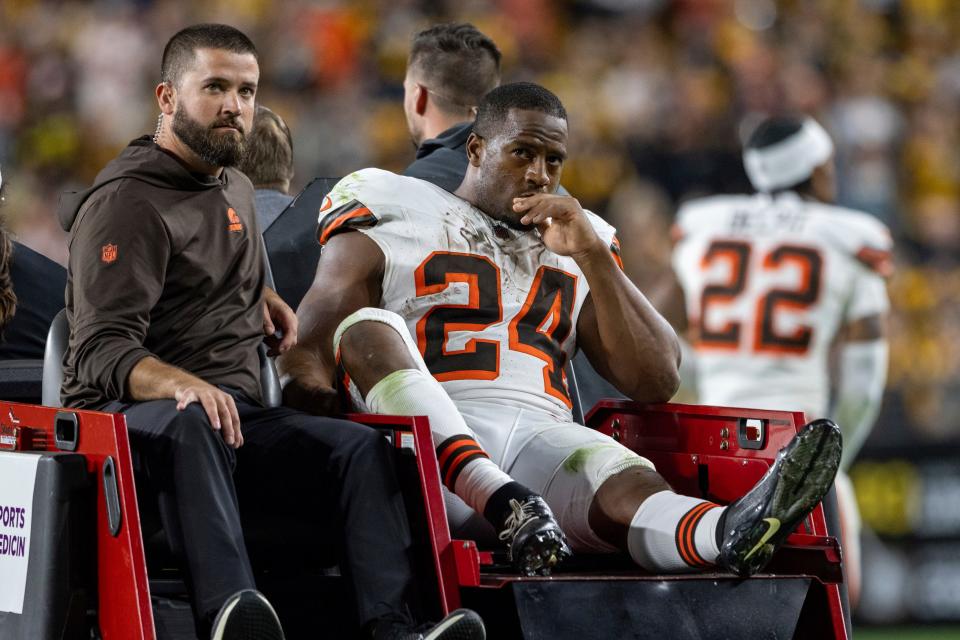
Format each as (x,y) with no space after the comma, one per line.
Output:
(465,307)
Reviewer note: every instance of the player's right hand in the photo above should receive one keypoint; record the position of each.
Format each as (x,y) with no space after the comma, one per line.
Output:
(564,227)
(220,408)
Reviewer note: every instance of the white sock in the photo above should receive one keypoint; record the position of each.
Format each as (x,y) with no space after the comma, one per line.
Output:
(465,468)
(674,533)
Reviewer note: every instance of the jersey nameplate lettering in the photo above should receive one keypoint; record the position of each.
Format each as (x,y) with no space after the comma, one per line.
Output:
(769,283)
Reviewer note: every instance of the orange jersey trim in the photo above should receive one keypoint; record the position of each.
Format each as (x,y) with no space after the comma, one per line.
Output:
(340,220)
(878,260)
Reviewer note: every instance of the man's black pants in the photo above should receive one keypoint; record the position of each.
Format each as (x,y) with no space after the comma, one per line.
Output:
(337,474)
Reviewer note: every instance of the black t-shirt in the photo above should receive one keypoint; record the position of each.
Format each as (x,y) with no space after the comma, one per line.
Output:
(39,283)
(443,160)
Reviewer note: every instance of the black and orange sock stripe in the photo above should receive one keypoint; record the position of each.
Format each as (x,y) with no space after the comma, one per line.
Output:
(454,454)
(685,535)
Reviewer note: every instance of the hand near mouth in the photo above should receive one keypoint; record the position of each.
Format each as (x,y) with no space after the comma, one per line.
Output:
(563,225)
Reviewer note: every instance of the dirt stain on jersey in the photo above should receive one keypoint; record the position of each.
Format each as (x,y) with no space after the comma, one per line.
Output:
(478,242)
(576,461)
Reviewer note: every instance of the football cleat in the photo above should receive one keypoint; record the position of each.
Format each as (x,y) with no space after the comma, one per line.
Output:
(534,539)
(752,527)
(246,615)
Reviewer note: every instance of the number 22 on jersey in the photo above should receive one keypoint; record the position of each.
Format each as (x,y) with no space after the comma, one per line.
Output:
(769,303)
(538,329)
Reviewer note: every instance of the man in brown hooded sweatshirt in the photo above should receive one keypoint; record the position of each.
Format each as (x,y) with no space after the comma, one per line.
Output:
(167,305)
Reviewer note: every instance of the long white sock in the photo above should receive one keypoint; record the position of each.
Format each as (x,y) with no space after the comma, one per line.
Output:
(674,533)
(465,468)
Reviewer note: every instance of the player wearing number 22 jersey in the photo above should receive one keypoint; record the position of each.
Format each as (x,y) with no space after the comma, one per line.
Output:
(465,307)
(774,281)
(769,282)
(783,290)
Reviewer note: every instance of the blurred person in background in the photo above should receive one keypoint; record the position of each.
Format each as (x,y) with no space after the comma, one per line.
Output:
(31,295)
(774,281)
(268,162)
(450,68)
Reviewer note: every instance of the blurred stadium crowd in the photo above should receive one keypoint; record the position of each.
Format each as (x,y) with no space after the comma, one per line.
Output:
(659,95)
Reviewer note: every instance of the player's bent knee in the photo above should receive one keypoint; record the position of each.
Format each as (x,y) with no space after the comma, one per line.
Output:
(368,314)
(586,471)
(373,343)
(617,500)
(614,461)
(627,489)
(622,481)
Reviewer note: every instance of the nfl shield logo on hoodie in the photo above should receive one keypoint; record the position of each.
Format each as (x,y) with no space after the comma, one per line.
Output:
(108,253)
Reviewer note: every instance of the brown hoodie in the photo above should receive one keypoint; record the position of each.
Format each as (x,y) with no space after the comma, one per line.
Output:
(163,262)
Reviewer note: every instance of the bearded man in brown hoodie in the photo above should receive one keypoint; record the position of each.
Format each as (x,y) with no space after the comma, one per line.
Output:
(167,304)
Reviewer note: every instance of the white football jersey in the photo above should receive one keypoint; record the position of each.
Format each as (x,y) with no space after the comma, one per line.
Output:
(492,310)
(768,282)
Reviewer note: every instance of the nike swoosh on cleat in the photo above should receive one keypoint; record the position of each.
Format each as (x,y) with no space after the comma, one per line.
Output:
(773,525)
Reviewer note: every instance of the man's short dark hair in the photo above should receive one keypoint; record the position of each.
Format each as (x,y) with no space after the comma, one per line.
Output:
(182,47)
(777,129)
(774,130)
(268,160)
(495,106)
(457,63)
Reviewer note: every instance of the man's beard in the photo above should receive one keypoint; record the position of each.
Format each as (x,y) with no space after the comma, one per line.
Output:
(217,149)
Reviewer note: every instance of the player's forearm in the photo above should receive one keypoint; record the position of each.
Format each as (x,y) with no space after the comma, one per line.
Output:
(640,348)
(863,369)
(153,379)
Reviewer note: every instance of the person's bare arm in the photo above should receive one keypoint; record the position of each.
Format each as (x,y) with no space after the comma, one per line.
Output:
(349,277)
(667,298)
(626,340)
(862,370)
(153,379)
(630,344)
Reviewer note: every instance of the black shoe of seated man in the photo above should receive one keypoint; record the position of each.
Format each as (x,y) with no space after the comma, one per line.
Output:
(246,615)
(754,526)
(461,624)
